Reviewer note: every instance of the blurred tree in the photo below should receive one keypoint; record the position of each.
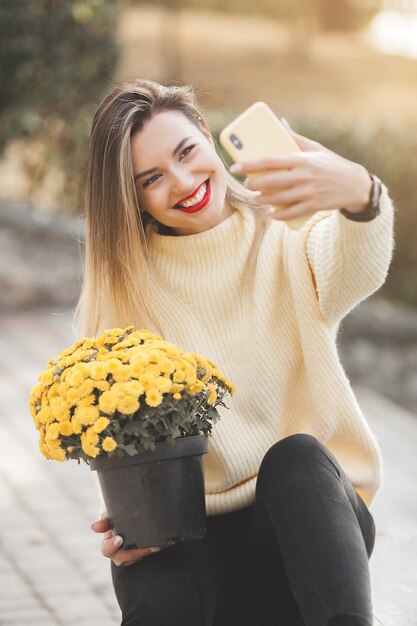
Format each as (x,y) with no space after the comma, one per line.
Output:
(329,14)
(345,15)
(56,59)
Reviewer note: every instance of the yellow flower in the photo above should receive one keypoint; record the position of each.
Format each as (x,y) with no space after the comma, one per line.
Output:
(56,454)
(128,343)
(163,384)
(78,374)
(64,375)
(86,415)
(179,376)
(153,397)
(43,415)
(115,332)
(138,356)
(76,426)
(208,373)
(86,387)
(98,370)
(190,357)
(59,409)
(108,402)
(166,366)
(137,368)
(156,355)
(86,401)
(101,385)
(63,389)
(73,395)
(35,395)
(212,395)
(109,444)
(122,374)
(176,388)
(153,369)
(53,390)
(88,443)
(52,432)
(147,381)
(101,424)
(231,386)
(177,396)
(196,387)
(113,366)
(65,428)
(134,388)
(46,378)
(128,405)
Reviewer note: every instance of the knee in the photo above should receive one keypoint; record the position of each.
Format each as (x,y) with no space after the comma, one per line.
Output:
(292,449)
(292,452)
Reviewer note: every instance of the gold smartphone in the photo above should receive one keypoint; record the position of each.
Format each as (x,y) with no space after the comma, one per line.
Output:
(257,134)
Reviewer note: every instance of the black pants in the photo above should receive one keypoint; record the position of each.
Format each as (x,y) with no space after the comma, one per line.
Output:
(298,557)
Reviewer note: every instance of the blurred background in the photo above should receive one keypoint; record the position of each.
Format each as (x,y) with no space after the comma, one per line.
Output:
(343,73)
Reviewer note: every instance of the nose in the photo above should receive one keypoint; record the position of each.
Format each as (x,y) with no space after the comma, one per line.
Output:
(183,182)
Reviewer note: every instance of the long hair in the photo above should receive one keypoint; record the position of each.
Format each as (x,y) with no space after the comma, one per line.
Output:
(116,289)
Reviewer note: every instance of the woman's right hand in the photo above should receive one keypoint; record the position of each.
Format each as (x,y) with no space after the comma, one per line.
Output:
(110,546)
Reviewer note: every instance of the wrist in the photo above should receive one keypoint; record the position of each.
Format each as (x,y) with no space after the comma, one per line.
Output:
(363,192)
(371,209)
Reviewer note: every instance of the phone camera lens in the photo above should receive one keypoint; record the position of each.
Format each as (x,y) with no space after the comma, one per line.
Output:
(235,141)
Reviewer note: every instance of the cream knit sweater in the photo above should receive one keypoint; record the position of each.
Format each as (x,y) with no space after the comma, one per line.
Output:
(278,345)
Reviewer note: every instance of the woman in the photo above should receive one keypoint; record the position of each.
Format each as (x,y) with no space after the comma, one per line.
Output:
(178,246)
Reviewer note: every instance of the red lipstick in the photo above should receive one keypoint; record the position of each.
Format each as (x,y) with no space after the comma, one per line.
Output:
(196,207)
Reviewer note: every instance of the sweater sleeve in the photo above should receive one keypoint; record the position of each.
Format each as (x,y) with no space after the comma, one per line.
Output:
(349,260)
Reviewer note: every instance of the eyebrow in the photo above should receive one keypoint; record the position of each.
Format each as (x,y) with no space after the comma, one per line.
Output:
(155,169)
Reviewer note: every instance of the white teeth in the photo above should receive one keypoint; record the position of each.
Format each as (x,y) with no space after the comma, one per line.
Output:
(196,199)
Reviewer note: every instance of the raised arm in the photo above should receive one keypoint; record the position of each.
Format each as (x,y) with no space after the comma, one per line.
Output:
(348,259)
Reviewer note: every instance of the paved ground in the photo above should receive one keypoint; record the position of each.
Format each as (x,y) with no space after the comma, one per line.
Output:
(51,570)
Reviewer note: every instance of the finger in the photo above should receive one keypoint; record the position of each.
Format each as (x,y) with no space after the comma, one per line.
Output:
(287,198)
(110,545)
(128,557)
(299,210)
(101,526)
(306,144)
(124,557)
(264,165)
(277,180)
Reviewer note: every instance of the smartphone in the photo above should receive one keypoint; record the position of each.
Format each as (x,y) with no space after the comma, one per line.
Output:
(257,134)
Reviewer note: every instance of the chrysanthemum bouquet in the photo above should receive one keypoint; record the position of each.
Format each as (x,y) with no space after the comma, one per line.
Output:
(120,393)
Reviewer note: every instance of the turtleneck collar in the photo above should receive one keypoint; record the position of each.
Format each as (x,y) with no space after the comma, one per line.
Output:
(214,245)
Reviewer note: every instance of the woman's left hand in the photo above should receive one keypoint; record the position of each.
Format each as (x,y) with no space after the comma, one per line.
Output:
(303,183)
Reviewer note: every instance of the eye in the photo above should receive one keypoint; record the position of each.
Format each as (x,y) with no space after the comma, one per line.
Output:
(150,180)
(187,150)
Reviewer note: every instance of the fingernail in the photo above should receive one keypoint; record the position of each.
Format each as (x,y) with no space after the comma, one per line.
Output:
(236,168)
(154,549)
(118,541)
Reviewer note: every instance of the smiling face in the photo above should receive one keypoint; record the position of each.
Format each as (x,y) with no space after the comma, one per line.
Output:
(179,177)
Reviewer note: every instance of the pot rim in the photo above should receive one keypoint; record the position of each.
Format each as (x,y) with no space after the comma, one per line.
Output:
(194,445)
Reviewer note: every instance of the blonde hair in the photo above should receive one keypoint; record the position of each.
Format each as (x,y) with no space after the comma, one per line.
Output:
(116,289)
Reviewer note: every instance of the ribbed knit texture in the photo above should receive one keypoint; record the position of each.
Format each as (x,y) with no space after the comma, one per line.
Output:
(278,344)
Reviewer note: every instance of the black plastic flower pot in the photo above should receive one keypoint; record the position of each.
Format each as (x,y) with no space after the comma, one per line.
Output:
(157,496)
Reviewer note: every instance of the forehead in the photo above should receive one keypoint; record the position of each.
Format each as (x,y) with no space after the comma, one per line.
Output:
(159,136)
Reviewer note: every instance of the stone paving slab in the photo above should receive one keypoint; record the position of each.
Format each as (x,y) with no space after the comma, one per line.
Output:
(51,569)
